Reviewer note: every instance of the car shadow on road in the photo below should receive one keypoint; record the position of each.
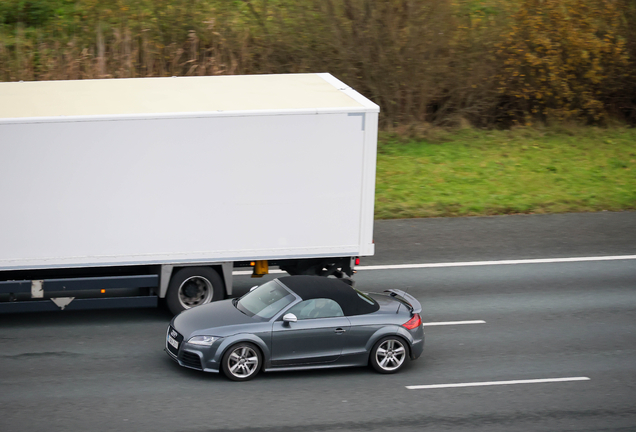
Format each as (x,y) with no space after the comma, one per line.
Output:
(312,375)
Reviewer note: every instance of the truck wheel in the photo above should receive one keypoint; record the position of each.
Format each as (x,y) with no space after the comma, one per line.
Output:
(193,286)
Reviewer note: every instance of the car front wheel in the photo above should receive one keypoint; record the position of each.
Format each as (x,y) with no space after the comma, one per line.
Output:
(242,362)
(389,354)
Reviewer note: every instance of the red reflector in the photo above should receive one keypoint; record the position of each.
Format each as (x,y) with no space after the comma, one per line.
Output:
(357,261)
(413,322)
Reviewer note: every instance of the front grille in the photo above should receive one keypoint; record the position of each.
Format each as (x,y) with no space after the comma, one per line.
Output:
(191,360)
(178,337)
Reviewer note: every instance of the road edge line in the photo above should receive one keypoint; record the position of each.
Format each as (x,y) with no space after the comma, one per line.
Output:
(501,262)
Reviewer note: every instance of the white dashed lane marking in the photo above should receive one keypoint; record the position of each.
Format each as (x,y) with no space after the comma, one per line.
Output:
(447,323)
(495,383)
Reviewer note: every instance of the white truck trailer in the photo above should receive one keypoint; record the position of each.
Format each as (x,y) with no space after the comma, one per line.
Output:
(118,192)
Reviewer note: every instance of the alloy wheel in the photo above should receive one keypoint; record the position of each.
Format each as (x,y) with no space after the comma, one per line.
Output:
(242,362)
(390,354)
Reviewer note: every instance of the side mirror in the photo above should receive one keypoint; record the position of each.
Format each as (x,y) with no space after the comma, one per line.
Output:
(290,318)
(253,288)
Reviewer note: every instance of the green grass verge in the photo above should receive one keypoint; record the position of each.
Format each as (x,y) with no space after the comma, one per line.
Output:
(476,173)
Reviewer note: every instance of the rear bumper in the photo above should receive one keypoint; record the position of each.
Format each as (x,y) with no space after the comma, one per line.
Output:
(417,346)
(417,349)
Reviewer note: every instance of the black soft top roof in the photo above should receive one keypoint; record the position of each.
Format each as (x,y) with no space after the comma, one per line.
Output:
(311,287)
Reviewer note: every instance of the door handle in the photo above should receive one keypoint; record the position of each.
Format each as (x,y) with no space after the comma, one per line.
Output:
(339,330)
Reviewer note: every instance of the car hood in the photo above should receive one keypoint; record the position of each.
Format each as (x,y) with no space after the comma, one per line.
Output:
(220,318)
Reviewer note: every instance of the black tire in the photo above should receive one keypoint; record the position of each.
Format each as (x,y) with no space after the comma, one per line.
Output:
(193,286)
(389,354)
(242,362)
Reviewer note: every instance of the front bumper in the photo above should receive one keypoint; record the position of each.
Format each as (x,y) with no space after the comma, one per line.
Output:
(190,356)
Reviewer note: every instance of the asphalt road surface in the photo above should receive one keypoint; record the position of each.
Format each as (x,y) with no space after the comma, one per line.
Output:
(106,370)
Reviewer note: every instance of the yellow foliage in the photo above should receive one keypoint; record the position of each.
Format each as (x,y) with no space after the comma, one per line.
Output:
(557,56)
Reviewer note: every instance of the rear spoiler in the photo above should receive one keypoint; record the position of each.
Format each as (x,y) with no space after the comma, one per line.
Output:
(410,301)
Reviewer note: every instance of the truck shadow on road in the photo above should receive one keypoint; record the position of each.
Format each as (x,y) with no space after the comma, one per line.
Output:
(86,317)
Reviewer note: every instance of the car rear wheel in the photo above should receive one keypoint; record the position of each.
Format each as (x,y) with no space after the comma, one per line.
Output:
(389,354)
(242,362)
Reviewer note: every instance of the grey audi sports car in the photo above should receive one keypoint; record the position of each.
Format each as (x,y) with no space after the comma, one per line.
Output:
(295,323)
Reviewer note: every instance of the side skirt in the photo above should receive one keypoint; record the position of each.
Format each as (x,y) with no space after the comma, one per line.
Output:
(361,359)
(309,367)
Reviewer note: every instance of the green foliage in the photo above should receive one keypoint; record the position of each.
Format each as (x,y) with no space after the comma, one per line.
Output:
(30,13)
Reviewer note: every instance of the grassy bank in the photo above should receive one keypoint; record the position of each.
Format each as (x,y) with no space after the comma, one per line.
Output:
(473,172)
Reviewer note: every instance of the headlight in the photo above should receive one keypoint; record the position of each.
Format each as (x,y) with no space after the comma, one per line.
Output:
(203,340)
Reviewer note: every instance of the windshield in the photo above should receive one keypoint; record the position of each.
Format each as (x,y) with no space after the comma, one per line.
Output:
(265,301)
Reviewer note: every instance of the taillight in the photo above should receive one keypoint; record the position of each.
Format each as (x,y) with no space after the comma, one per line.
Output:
(413,323)
(357,261)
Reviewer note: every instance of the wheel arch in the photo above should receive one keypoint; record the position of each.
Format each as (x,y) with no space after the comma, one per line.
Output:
(224,269)
(390,331)
(230,341)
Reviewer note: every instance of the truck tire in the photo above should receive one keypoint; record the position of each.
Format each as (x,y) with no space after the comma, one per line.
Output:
(193,286)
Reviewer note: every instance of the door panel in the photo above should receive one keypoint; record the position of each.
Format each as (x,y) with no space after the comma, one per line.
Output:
(308,341)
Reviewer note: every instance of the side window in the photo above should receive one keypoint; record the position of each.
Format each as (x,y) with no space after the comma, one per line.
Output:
(316,308)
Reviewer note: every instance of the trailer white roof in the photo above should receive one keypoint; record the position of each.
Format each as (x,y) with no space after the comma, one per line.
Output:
(178,95)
